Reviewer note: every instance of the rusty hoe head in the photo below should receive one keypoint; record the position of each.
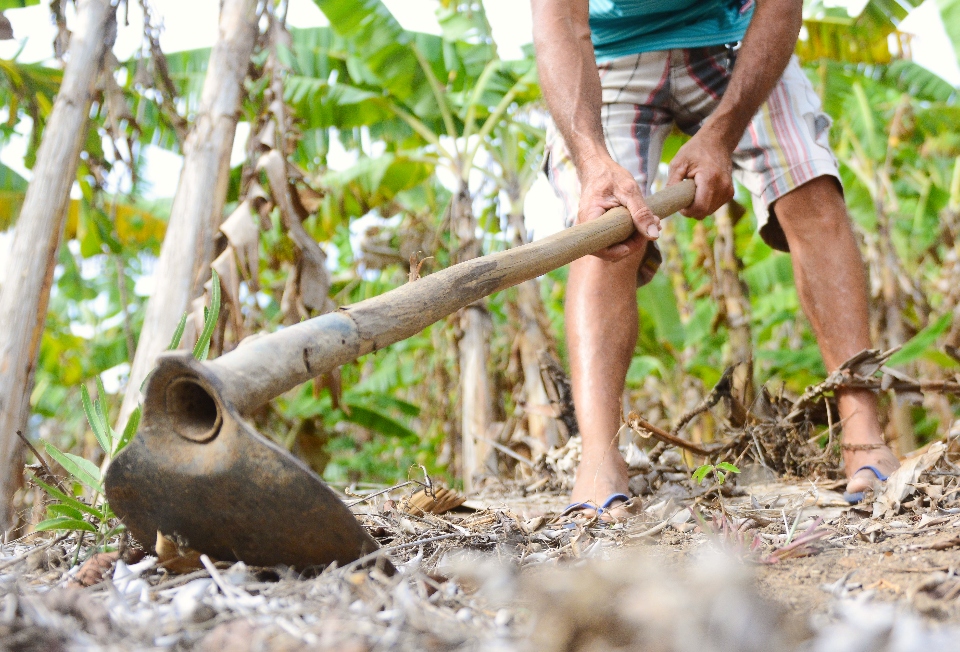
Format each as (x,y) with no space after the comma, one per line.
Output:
(198,470)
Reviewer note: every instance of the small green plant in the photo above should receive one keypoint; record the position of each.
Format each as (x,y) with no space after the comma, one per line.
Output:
(720,472)
(67,511)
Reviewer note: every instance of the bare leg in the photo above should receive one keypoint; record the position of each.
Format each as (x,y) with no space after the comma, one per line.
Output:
(601,322)
(832,285)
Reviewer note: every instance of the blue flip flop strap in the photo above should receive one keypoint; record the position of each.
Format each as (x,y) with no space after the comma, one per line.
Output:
(575,506)
(875,470)
(857,497)
(612,498)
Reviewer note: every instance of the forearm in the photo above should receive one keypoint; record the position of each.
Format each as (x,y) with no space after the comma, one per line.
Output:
(767,47)
(568,75)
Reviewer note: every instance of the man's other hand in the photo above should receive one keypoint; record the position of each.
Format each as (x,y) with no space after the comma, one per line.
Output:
(605,185)
(708,162)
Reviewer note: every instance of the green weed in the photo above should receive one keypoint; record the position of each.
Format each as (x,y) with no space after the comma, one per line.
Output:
(720,472)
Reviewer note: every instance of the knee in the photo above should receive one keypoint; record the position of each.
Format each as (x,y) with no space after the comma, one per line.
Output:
(813,211)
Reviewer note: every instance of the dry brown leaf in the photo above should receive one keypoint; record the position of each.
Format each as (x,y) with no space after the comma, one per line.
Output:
(901,482)
(267,138)
(332,381)
(312,280)
(310,445)
(243,234)
(310,199)
(177,559)
(91,571)
(443,500)
(6,29)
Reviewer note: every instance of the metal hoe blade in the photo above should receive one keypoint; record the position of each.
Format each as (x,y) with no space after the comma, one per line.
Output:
(200,471)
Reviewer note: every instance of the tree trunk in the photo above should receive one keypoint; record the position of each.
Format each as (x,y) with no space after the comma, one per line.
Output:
(540,426)
(894,331)
(534,342)
(476,394)
(731,294)
(198,205)
(24,297)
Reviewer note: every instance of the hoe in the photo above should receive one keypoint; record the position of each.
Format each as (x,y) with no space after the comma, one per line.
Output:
(197,469)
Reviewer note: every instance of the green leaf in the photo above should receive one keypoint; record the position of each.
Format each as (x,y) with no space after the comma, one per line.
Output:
(17,4)
(378,422)
(130,430)
(68,500)
(642,366)
(702,472)
(60,509)
(727,466)
(920,342)
(64,523)
(658,300)
(202,349)
(94,418)
(102,411)
(85,471)
(178,333)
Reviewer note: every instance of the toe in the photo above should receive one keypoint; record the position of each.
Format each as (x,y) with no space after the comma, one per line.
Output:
(862,480)
(622,510)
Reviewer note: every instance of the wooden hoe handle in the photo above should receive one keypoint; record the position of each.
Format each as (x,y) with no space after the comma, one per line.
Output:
(257,372)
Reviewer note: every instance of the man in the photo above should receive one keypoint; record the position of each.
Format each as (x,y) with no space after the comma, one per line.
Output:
(617,74)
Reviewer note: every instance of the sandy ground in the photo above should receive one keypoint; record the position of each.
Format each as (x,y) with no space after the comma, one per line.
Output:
(761,564)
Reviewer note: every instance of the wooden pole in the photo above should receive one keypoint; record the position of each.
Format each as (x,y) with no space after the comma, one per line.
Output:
(26,290)
(256,372)
(198,204)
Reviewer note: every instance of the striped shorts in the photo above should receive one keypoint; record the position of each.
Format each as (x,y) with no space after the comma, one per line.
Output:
(645,95)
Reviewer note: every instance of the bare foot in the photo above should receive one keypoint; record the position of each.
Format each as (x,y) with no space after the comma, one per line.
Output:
(863,443)
(858,455)
(602,474)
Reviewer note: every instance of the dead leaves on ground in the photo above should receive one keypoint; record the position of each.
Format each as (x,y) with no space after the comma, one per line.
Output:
(439,501)
(176,557)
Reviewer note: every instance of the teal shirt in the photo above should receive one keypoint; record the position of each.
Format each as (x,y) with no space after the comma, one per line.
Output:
(624,27)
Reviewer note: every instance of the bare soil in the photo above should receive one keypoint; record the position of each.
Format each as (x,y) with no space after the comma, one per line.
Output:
(757,564)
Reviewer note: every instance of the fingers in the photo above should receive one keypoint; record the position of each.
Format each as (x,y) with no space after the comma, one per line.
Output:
(609,185)
(678,169)
(714,189)
(646,222)
(710,166)
(622,250)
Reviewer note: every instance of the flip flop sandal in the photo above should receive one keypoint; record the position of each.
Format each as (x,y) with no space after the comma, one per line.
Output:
(604,506)
(857,497)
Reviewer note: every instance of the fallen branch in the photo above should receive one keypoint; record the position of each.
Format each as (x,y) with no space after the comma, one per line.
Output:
(721,390)
(858,373)
(639,424)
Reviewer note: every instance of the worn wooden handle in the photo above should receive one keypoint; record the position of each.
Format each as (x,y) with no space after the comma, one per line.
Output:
(265,368)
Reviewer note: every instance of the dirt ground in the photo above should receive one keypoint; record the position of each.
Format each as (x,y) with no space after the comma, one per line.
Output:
(898,559)
(759,563)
